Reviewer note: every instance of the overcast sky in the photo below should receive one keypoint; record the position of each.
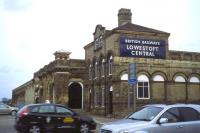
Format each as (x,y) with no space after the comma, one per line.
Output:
(32,30)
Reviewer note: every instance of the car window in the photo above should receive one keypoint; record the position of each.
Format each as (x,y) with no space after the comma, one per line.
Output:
(3,106)
(46,109)
(172,115)
(146,113)
(189,114)
(34,109)
(62,110)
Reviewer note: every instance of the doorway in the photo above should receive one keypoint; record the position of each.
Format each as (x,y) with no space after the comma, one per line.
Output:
(75,96)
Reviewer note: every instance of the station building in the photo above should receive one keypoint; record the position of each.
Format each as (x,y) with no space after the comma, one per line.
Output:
(100,82)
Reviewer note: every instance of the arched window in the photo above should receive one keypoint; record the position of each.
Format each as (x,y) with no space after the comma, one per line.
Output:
(96,69)
(124,77)
(179,79)
(102,97)
(158,78)
(110,61)
(194,79)
(143,87)
(90,72)
(96,95)
(103,68)
(111,88)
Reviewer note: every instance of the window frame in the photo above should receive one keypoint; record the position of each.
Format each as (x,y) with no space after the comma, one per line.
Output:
(110,65)
(143,81)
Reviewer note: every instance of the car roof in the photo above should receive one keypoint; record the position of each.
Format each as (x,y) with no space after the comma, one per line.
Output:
(40,104)
(195,106)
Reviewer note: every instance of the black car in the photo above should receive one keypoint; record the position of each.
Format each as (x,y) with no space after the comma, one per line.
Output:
(43,118)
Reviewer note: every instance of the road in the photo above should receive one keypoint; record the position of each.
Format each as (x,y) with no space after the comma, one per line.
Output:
(7,124)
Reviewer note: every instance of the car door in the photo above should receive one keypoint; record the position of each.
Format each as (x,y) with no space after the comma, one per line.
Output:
(43,116)
(4,109)
(174,124)
(191,119)
(65,119)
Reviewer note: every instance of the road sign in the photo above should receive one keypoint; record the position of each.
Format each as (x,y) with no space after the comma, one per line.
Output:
(132,78)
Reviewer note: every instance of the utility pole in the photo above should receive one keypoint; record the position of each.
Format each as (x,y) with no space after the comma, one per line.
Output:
(132,80)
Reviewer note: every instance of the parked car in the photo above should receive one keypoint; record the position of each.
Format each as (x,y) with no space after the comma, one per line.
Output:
(177,118)
(6,109)
(47,117)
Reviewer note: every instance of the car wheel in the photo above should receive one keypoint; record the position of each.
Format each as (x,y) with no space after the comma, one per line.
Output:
(34,129)
(13,113)
(84,128)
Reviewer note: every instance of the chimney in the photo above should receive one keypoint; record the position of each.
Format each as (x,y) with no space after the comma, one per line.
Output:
(61,54)
(124,16)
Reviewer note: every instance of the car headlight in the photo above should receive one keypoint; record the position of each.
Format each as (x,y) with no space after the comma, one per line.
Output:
(124,131)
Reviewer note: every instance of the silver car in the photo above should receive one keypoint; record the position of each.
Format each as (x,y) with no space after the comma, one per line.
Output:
(177,118)
(6,109)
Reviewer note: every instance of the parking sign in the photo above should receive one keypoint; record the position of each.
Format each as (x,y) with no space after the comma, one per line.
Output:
(132,78)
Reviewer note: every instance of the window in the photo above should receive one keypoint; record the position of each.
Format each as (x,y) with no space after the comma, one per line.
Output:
(143,87)
(189,114)
(158,78)
(3,106)
(102,97)
(62,110)
(96,70)
(194,80)
(110,61)
(179,79)
(98,42)
(124,77)
(90,72)
(146,113)
(34,109)
(103,68)
(172,115)
(95,98)
(46,109)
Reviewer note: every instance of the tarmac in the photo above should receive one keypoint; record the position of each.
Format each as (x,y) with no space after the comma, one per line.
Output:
(99,119)
(102,119)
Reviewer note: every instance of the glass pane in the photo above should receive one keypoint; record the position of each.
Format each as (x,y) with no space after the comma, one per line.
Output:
(140,84)
(140,92)
(143,78)
(146,83)
(158,78)
(172,115)
(194,80)
(46,109)
(146,94)
(179,79)
(146,113)
(189,114)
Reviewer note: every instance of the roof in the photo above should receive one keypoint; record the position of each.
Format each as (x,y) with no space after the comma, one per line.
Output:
(195,106)
(138,28)
(131,27)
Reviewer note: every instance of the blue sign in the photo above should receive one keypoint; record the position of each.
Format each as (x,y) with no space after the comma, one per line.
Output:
(144,48)
(132,78)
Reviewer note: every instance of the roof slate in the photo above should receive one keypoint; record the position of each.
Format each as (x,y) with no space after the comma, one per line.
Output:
(138,28)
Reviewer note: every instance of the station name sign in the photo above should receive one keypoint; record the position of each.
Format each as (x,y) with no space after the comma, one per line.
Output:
(144,48)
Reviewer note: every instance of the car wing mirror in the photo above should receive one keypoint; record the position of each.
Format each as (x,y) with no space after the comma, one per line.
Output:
(163,120)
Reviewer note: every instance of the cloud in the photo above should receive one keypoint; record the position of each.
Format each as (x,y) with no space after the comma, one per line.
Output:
(16,5)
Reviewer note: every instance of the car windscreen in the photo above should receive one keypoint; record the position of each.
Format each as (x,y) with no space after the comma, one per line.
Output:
(147,113)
